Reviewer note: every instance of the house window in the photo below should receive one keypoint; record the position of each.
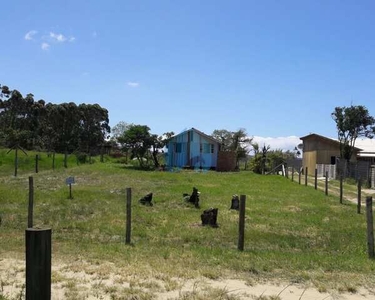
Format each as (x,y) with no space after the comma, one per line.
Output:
(178,147)
(206,148)
(212,148)
(191,135)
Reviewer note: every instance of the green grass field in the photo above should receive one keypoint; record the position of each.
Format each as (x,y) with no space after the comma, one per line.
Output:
(293,233)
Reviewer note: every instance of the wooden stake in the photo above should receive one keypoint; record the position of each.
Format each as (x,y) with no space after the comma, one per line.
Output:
(128,215)
(326,191)
(370,228)
(16,162)
(31,203)
(65,159)
(316,179)
(299,177)
(36,163)
(341,189)
(306,176)
(38,264)
(53,161)
(292,173)
(359,195)
(241,223)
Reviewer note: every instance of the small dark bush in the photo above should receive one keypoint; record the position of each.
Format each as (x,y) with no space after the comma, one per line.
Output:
(117,154)
(81,157)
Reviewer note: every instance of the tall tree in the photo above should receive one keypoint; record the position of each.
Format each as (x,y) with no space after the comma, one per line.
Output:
(15,116)
(94,126)
(352,122)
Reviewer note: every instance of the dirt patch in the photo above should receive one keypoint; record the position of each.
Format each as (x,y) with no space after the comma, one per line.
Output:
(84,280)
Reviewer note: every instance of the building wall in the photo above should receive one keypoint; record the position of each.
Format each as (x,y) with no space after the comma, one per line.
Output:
(309,161)
(226,161)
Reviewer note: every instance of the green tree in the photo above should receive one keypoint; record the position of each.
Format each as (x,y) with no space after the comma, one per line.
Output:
(116,133)
(352,122)
(138,140)
(158,143)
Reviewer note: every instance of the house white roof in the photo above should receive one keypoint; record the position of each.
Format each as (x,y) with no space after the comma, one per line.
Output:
(367,147)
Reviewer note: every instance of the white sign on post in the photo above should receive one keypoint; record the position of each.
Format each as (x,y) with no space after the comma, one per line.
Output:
(69,181)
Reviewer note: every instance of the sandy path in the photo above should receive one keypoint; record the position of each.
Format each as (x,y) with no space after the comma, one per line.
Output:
(81,280)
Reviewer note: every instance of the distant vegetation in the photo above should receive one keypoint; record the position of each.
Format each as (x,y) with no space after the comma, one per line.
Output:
(37,125)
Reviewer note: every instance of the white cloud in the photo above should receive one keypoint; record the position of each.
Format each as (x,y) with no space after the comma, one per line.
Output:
(94,34)
(30,34)
(72,39)
(45,46)
(283,143)
(133,84)
(58,37)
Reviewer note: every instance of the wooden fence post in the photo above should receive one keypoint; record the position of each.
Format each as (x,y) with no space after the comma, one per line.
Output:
(241,227)
(292,173)
(65,159)
(286,171)
(36,163)
(128,215)
(316,179)
(101,154)
(306,176)
(370,228)
(326,183)
(341,189)
(359,195)
(16,162)
(299,177)
(53,161)
(31,203)
(38,264)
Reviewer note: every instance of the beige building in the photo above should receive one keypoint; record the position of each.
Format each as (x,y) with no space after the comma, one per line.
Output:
(318,149)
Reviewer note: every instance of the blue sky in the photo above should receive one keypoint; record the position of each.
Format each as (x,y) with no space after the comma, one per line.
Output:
(275,68)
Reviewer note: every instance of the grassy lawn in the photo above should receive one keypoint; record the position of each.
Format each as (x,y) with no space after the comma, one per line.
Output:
(293,232)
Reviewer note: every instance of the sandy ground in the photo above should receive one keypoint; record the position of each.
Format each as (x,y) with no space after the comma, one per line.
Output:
(81,280)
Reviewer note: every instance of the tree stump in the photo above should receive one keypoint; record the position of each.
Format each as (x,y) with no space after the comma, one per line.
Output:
(235,202)
(146,200)
(209,217)
(194,197)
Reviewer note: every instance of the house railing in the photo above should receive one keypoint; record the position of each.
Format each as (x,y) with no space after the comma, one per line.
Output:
(323,168)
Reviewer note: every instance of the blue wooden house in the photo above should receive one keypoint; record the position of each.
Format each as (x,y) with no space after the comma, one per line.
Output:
(193,149)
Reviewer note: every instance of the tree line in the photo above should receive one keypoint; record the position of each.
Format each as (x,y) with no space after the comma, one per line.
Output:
(65,127)
(138,143)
